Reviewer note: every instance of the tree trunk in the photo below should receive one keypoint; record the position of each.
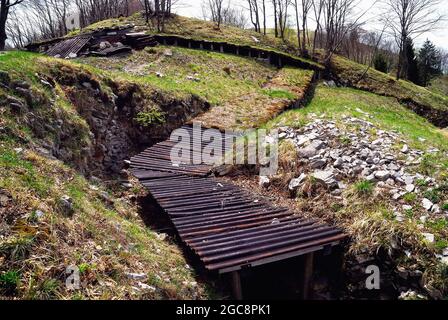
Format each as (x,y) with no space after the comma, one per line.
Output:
(3,18)
(275,18)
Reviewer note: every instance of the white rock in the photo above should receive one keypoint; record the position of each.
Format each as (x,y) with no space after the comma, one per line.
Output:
(382,175)
(423,219)
(429,237)
(407,207)
(135,276)
(264,181)
(295,183)
(410,188)
(427,204)
(405,149)
(399,217)
(308,152)
(435,209)
(39,214)
(145,286)
(326,177)
(445,252)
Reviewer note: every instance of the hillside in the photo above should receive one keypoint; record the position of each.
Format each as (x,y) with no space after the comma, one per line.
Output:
(67,127)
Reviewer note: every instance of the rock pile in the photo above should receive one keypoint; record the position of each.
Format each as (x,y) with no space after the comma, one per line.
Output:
(331,155)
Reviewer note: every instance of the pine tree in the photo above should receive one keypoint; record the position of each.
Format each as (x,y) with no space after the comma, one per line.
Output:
(380,63)
(411,63)
(430,62)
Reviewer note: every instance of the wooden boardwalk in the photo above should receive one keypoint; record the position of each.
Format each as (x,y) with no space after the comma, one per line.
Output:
(225,226)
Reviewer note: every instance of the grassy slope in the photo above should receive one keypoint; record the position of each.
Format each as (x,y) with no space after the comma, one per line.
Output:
(244,92)
(247,76)
(195,28)
(350,72)
(370,220)
(440,85)
(105,237)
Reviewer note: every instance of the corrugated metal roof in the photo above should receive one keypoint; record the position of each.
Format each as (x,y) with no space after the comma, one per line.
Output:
(226,227)
(69,48)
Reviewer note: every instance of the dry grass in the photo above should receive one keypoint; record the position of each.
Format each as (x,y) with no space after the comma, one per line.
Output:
(104,236)
(253,111)
(198,29)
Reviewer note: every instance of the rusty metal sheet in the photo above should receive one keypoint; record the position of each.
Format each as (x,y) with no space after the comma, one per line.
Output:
(225,226)
(69,48)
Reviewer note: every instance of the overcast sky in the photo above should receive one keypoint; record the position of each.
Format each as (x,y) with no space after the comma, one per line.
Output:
(192,8)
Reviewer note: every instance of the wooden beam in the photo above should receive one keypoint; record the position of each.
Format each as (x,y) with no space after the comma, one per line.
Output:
(236,286)
(308,276)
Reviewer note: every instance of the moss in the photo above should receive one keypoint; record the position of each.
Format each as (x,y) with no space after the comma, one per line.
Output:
(99,237)
(279,94)
(151,117)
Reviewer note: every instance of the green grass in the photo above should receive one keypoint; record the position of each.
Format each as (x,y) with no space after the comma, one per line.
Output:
(214,84)
(20,63)
(146,119)
(280,94)
(364,188)
(350,72)
(9,281)
(368,215)
(440,85)
(387,113)
(100,237)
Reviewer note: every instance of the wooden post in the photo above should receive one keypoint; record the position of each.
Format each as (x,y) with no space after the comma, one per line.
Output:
(236,286)
(189,44)
(308,276)
(221,49)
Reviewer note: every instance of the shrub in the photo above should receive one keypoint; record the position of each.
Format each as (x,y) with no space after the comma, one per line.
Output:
(9,282)
(380,63)
(151,117)
(364,188)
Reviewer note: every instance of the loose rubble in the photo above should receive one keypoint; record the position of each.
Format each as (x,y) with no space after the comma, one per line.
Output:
(331,155)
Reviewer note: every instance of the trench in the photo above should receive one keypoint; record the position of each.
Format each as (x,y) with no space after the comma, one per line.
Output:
(281,280)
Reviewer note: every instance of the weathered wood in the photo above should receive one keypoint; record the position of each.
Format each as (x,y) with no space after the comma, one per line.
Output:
(308,276)
(236,285)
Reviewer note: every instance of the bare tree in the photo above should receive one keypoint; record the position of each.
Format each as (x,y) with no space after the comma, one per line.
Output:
(234,17)
(5,8)
(275,7)
(263,8)
(444,56)
(303,10)
(214,10)
(409,19)
(283,15)
(254,14)
(318,6)
(340,20)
